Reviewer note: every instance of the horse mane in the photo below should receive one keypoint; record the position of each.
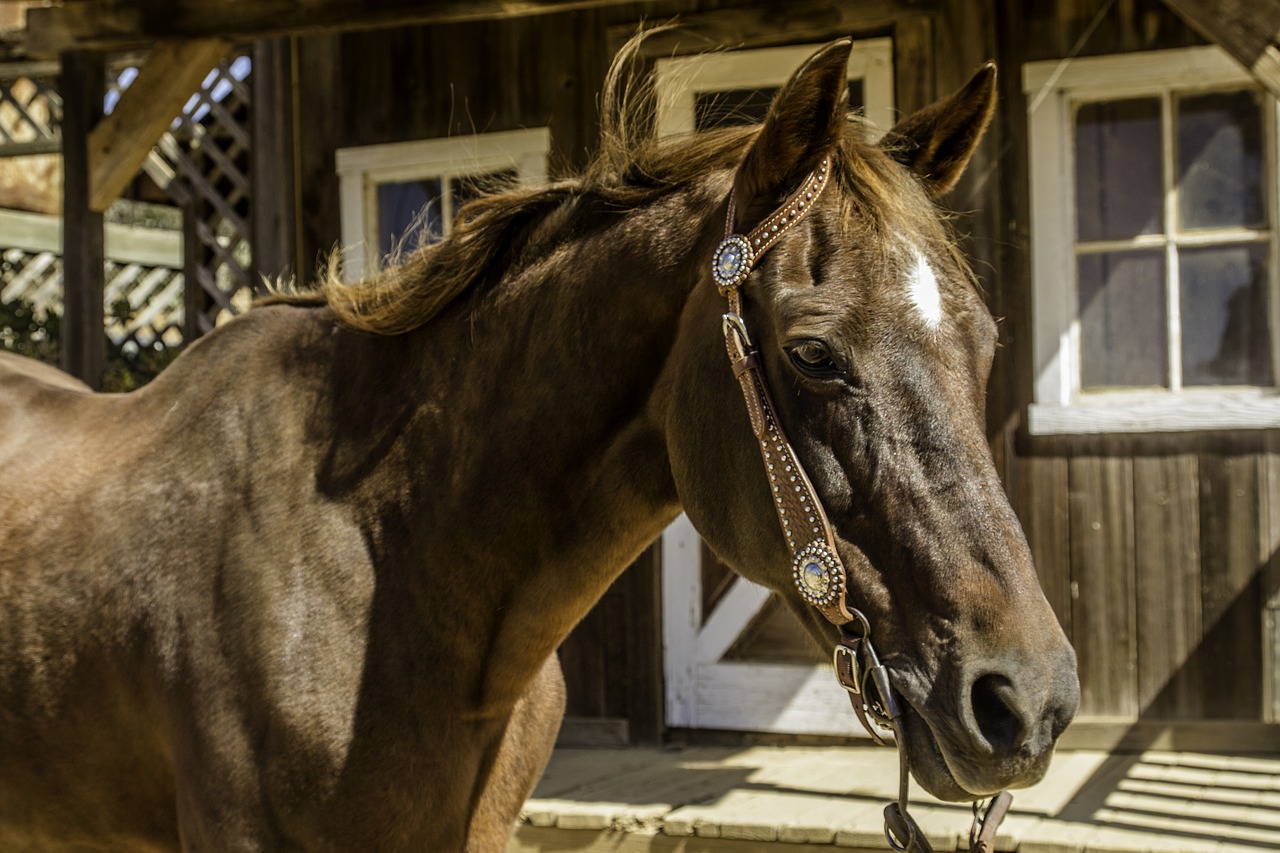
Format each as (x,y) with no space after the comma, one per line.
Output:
(631,166)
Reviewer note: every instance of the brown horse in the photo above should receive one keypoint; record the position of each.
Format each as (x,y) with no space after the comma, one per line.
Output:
(302,592)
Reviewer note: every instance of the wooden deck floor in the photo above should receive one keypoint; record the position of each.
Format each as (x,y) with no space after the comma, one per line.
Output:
(771,799)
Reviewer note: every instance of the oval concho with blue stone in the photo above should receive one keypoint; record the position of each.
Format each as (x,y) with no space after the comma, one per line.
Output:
(817,574)
(731,262)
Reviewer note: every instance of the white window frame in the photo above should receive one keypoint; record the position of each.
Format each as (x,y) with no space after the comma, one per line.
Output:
(680,80)
(703,690)
(1052,89)
(362,169)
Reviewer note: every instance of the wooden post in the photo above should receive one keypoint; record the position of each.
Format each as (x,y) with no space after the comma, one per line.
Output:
(273,210)
(646,701)
(83,345)
(195,300)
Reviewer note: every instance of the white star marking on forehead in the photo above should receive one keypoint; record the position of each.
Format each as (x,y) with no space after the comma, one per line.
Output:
(922,287)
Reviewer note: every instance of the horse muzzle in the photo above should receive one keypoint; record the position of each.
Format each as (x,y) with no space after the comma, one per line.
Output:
(990,728)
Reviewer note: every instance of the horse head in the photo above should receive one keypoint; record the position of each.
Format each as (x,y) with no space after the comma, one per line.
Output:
(877,346)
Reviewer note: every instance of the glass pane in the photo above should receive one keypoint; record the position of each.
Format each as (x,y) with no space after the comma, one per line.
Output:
(1118,182)
(1123,330)
(1226,338)
(1220,161)
(465,188)
(408,212)
(734,107)
(731,108)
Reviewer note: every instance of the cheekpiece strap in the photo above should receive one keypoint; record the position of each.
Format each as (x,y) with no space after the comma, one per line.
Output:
(818,573)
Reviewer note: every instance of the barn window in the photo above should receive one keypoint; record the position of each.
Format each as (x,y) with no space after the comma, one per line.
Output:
(395,196)
(735,87)
(1153,244)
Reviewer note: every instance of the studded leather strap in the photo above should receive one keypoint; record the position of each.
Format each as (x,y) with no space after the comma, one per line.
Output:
(817,570)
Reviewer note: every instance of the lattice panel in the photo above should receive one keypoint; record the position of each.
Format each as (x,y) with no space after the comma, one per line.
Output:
(202,163)
(33,277)
(30,109)
(143,304)
(208,152)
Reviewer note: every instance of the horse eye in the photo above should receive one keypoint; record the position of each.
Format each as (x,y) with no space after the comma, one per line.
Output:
(813,359)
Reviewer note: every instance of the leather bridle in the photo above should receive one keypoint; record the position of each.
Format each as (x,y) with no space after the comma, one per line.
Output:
(816,567)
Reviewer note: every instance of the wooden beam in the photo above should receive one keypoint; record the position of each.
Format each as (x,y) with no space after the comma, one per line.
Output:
(83,341)
(1246,29)
(119,143)
(771,24)
(273,164)
(117,24)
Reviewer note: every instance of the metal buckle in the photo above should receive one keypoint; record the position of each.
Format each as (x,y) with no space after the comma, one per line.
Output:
(847,657)
(733,322)
(853,681)
(855,660)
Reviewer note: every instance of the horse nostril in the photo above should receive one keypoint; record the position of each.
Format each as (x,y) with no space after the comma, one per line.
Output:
(994,699)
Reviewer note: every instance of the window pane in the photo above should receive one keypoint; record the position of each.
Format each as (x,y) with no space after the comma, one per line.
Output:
(465,188)
(408,210)
(734,107)
(1123,331)
(1226,338)
(1118,183)
(1220,160)
(731,108)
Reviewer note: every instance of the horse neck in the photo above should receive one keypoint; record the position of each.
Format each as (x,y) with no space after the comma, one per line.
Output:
(533,454)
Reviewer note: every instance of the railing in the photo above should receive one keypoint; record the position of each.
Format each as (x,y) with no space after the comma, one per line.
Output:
(144,280)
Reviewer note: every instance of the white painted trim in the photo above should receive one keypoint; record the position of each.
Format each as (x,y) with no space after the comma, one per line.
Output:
(1125,74)
(1242,408)
(360,170)
(735,610)
(704,691)
(762,697)
(681,616)
(1053,88)
(680,79)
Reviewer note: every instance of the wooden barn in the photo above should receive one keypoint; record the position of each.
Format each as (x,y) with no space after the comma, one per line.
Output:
(1123,215)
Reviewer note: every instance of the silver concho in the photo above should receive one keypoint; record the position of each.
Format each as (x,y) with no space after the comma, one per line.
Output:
(731,262)
(817,574)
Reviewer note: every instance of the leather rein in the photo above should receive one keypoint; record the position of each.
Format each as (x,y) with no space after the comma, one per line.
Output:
(816,567)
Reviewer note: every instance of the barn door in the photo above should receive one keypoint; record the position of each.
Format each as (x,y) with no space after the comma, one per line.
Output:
(735,658)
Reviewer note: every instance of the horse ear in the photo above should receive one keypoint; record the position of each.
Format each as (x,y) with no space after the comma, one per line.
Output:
(805,120)
(937,142)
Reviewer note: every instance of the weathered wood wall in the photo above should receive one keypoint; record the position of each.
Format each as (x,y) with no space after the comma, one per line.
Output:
(1159,554)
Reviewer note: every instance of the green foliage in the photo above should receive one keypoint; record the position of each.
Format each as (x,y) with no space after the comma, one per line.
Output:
(25,331)
(35,334)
